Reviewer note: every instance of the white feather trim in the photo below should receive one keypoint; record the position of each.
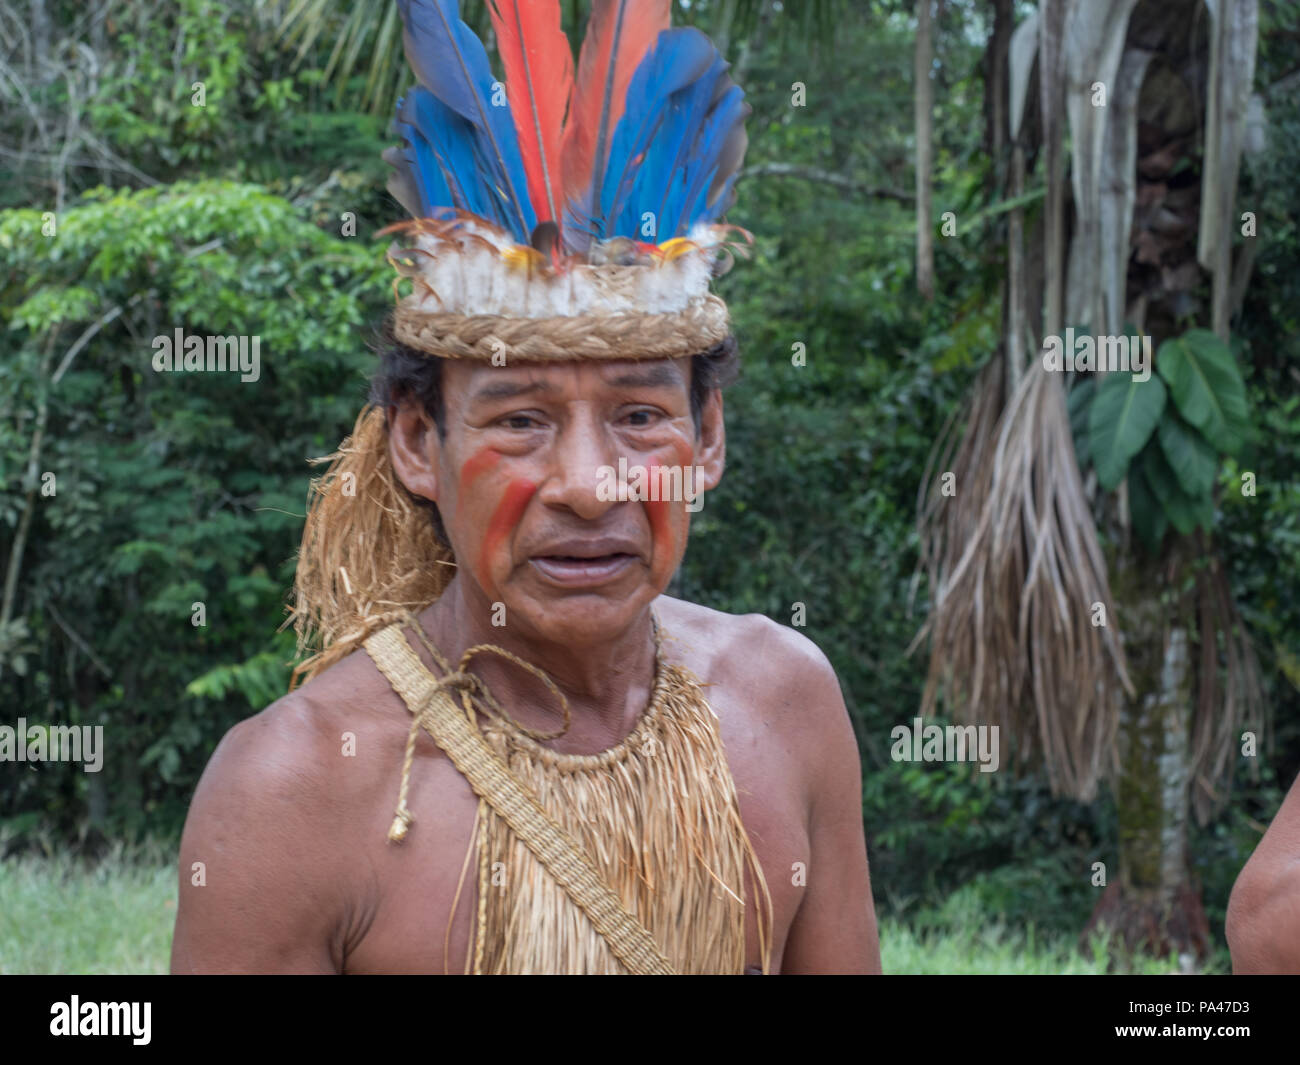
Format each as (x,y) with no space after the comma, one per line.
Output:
(475,269)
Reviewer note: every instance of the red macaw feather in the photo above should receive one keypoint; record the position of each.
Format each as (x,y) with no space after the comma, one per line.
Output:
(539,79)
(619,33)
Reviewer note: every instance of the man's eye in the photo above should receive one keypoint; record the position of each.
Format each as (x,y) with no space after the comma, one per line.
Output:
(641,419)
(518,421)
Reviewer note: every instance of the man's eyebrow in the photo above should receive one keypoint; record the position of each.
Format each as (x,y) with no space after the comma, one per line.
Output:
(656,376)
(510,389)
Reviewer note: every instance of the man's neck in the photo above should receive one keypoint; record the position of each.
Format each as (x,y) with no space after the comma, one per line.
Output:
(607,685)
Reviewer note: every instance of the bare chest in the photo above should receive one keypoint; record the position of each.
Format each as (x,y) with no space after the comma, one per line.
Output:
(417,900)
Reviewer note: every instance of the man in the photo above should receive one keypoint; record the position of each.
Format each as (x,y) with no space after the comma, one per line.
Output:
(1263,926)
(629,782)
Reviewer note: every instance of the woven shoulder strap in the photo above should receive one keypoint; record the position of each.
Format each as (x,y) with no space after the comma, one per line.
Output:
(492,781)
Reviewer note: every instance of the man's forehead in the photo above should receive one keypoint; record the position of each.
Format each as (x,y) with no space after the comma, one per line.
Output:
(479,381)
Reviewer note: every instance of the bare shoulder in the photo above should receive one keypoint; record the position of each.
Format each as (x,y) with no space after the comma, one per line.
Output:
(315,758)
(283,754)
(783,671)
(752,643)
(268,873)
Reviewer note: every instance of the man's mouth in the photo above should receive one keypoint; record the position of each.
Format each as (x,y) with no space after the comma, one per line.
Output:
(576,571)
(585,563)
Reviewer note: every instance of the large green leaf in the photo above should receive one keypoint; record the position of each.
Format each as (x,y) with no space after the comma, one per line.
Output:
(1123,416)
(1149,517)
(1184,511)
(1190,455)
(1079,401)
(1207,387)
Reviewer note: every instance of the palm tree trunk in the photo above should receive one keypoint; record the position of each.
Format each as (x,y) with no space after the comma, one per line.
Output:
(1153,903)
(1051,27)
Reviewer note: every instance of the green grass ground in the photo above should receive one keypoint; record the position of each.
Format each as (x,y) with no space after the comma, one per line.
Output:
(58,915)
(964,938)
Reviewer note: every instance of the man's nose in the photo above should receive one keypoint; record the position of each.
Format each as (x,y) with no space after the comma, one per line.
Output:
(581,450)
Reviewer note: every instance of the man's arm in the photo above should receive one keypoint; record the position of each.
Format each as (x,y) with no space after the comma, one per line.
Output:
(1263,926)
(834,930)
(256,891)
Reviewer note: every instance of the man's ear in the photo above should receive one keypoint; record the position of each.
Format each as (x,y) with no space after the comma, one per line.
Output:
(414,449)
(711,456)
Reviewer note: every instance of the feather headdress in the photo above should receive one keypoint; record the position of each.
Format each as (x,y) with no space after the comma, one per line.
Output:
(589,198)
(561,214)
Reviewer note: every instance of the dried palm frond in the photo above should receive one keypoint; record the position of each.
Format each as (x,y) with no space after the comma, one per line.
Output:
(1016,574)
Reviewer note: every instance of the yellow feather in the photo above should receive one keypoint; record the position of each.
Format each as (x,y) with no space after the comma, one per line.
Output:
(671,249)
(523,257)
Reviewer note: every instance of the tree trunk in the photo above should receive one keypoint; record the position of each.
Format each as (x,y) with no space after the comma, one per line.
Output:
(996,122)
(1051,29)
(1151,902)
(88,687)
(924,164)
(722,27)
(39,19)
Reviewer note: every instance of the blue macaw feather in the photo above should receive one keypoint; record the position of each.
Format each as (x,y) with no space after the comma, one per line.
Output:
(680,120)
(690,146)
(675,151)
(472,143)
(709,161)
(432,179)
(451,163)
(678,59)
(439,149)
(706,200)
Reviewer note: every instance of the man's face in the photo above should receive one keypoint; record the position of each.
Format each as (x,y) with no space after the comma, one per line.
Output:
(527,481)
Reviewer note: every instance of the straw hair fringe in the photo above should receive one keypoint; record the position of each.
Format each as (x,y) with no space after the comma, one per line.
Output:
(369,554)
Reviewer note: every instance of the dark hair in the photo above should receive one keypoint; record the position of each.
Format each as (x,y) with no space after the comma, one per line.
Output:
(405,372)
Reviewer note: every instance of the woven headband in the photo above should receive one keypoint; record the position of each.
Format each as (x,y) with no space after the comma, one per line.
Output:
(502,340)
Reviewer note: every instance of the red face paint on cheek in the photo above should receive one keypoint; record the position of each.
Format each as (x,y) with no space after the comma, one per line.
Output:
(476,465)
(503,522)
(661,512)
(663,538)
